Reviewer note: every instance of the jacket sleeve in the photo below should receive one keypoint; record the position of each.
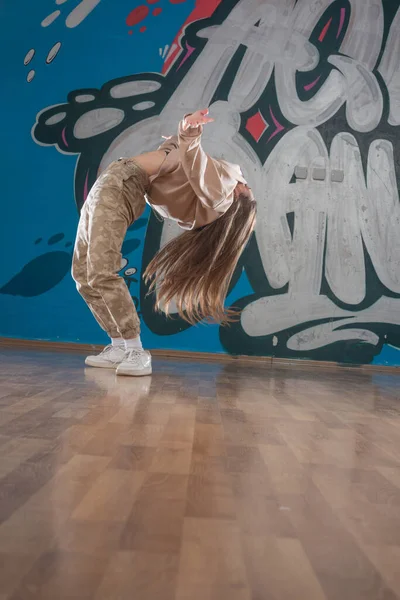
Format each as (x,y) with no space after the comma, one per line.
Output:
(171,143)
(208,178)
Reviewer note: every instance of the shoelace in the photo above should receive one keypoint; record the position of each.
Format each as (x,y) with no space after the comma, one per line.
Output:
(107,349)
(133,354)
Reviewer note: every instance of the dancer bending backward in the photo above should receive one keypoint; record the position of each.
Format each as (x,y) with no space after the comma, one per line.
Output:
(208,198)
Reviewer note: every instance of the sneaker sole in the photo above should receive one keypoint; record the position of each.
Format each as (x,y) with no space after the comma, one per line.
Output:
(101,366)
(131,373)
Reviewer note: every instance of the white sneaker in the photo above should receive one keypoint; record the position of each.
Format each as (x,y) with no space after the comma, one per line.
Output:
(136,363)
(109,358)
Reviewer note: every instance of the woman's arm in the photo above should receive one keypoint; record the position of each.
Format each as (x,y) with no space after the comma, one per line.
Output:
(209,179)
(169,143)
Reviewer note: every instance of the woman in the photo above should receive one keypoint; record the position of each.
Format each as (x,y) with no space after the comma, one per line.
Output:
(208,198)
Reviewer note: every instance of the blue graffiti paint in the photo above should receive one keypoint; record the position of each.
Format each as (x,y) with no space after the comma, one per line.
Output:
(42,273)
(129,246)
(139,224)
(56,238)
(39,275)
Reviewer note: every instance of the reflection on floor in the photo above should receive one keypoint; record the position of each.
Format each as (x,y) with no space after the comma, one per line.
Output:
(203,482)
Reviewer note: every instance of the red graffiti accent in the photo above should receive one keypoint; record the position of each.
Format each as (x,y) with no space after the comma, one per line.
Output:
(157,11)
(342,16)
(324,31)
(309,86)
(138,14)
(152,1)
(142,29)
(256,125)
(202,10)
(189,51)
(177,1)
(63,137)
(278,126)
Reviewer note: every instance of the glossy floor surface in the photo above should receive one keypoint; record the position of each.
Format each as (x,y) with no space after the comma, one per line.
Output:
(203,482)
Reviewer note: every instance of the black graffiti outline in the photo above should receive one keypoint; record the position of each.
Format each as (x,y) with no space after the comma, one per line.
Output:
(233,338)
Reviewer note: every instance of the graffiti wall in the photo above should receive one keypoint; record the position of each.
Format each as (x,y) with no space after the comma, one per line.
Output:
(306,98)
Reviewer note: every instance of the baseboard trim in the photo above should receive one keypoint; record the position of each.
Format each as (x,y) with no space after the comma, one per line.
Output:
(266,361)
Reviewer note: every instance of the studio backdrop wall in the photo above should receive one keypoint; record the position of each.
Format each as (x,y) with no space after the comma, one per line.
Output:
(306,98)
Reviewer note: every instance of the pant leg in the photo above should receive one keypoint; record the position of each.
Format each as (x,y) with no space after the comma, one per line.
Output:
(80,275)
(109,219)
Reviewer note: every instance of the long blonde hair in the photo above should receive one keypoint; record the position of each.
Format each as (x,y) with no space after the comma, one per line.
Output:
(195,268)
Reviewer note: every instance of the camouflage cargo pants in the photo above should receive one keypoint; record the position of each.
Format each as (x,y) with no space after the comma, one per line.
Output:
(114,202)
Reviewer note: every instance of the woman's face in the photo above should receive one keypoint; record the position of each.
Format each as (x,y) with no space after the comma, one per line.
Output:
(242,188)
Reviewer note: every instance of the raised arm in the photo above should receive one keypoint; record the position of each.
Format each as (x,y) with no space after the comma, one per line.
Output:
(169,143)
(209,179)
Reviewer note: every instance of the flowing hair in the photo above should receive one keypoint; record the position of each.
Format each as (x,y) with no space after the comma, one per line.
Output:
(195,268)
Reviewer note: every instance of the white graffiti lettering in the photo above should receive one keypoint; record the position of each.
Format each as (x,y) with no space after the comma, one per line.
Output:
(344,211)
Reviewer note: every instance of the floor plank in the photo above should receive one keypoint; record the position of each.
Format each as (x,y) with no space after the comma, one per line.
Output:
(205,481)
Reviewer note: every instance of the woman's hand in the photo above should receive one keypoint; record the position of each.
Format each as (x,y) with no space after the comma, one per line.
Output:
(200,117)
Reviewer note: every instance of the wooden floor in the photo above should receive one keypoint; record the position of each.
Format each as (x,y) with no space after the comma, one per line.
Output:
(204,482)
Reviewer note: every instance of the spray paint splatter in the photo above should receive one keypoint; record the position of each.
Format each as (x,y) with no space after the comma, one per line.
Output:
(50,57)
(162,52)
(53,52)
(157,11)
(137,15)
(80,12)
(29,56)
(50,18)
(57,237)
